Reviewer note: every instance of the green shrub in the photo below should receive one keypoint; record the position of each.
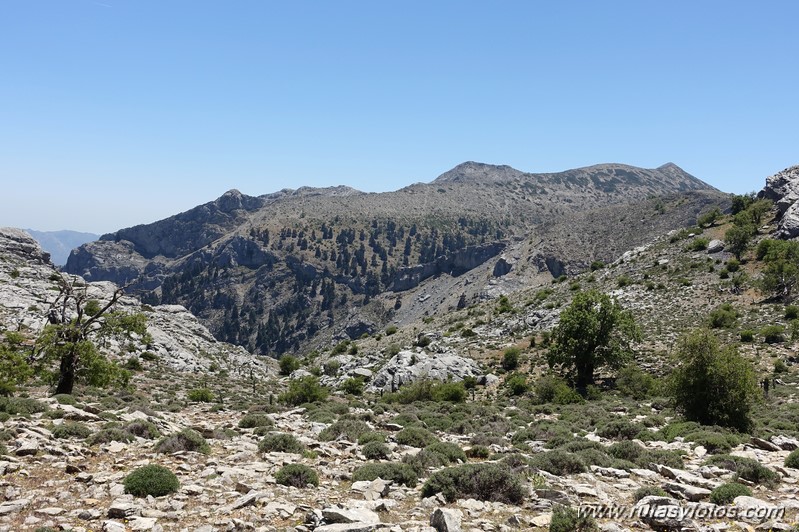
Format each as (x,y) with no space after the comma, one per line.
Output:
(714,442)
(142,429)
(453,392)
(353,386)
(551,389)
(65,399)
(746,468)
(296,475)
(792,460)
(779,366)
(70,430)
(253,420)
(649,491)
(395,472)
(201,395)
(280,442)
(699,244)
(304,390)
(747,336)
(567,519)
(450,451)
(478,451)
(558,462)
(711,384)
(21,406)
(370,436)
(375,450)
(627,450)
(485,482)
(510,358)
(623,280)
(597,265)
(288,364)
(415,437)
(619,429)
(185,440)
(391,329)
(351,429)
(109,434)
(152,480)
(517,384)
(791,312)
(636,383)
(726,493)
(723,317)
(773,334)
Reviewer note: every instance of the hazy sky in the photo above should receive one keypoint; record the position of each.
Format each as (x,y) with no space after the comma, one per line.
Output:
(119,112)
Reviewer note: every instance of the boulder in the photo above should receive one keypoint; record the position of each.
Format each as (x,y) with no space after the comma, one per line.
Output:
(410,366)
(715,246)
(446,520)
(783,189)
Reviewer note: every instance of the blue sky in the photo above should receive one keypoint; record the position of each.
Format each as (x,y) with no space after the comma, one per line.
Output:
(119,112)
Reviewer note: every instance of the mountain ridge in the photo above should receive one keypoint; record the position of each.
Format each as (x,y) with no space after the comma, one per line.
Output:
(304,265)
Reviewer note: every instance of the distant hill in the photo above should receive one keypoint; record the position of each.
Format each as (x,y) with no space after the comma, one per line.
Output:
(59,243)
(297,269)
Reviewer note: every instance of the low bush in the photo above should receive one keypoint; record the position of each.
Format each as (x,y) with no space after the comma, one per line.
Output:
(747,336)
(792,460)
(253,420)
(484,482)
(517,384)
(353,386)
(479,452)
(375,450)
(551,389)
(746,468)
(142,429)
(567,519)
(415,437)
(296,475)
(558,462)
(371,435)
(714,442)
(649,491)
(185,440)
(152,480)
(288,364)
(636,383)
(619,429)
(773,334)
(723,317)
(109,434)
(200,395)
(395,472)
(70,430)
(21,406)
(726,493)
(280,442)
(510,358)
(304,390)
(351,429)
(452,452)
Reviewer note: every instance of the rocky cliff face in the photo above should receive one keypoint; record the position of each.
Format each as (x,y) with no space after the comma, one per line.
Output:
(179,340)
(297,268)
(783,189)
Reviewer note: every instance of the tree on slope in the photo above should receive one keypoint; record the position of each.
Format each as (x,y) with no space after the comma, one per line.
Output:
(76,323)
(594,331)
(713,384)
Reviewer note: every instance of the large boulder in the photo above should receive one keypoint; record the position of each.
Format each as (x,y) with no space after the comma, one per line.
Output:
(409,366)
(783,189)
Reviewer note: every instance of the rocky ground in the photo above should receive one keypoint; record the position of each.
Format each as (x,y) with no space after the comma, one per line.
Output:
(65,458)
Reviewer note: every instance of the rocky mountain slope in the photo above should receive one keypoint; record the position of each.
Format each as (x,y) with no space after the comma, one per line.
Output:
(179,340)
(59,244)
(503,457)
(301,268)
